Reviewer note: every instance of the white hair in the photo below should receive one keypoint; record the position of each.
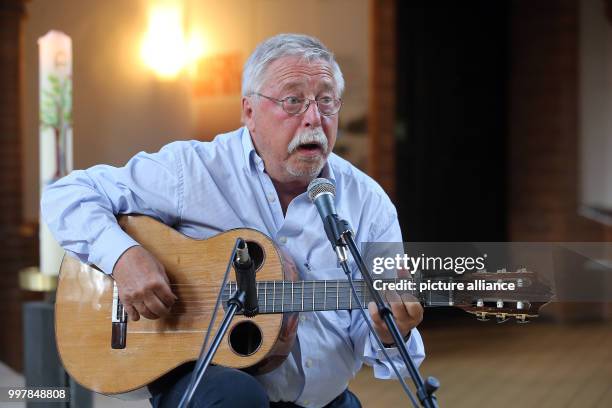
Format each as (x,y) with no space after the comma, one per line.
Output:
(286,45)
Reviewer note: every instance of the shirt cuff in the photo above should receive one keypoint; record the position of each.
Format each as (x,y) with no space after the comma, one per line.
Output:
(382,368)
(109,247)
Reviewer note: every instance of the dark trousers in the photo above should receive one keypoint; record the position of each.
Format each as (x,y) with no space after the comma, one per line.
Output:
(224,387)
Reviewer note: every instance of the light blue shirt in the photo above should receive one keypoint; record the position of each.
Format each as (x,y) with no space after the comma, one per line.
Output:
(202,189)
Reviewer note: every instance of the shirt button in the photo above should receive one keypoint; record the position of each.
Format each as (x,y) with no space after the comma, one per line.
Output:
(308,365)
(302,318)
(271,198)
(282,240)
(306,402)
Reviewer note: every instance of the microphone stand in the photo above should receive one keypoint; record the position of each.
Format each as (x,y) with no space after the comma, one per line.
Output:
(243,299)
(343,237)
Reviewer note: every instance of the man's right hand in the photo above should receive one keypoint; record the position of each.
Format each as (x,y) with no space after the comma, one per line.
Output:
(144,288)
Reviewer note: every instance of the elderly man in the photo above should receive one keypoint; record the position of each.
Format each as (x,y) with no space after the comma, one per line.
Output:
(253,177)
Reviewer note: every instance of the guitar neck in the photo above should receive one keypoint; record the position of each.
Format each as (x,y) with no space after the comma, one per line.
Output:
(320,295)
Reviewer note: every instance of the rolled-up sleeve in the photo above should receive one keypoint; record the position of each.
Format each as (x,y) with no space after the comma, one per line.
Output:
(81,208)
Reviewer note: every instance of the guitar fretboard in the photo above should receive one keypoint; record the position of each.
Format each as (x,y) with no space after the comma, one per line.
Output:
(319,295)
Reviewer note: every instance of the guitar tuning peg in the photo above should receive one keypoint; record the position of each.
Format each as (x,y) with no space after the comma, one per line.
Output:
(522,319)
(501,318)
(482,316)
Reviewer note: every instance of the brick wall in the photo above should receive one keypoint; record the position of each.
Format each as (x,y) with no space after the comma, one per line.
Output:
(381,118)
(544,190)
(543,124)
(17,250)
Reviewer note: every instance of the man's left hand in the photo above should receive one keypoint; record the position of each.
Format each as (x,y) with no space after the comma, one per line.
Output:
(407,311)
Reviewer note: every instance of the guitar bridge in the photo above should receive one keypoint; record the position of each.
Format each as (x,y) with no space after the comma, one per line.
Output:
(119,321)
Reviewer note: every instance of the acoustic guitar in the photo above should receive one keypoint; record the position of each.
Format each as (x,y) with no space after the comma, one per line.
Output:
(107,354)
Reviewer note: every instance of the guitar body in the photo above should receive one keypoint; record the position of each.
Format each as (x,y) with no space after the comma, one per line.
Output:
(84,308)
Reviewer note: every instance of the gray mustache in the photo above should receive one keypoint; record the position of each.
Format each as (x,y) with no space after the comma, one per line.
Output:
(305,137)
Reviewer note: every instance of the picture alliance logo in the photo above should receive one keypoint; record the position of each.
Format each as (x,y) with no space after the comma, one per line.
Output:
(423,263)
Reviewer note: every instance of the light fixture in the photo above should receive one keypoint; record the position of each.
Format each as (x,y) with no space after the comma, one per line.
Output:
(166,48)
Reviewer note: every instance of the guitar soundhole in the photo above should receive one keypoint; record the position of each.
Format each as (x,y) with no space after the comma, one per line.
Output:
(257,254)
(245,338)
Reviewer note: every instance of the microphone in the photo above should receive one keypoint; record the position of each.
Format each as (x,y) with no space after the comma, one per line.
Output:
(245,279)
(322,192)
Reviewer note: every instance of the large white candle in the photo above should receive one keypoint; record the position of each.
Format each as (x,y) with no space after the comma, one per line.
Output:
(55,84)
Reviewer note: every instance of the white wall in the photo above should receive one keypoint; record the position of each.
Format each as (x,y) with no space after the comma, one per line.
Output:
(595,79)
(120,107)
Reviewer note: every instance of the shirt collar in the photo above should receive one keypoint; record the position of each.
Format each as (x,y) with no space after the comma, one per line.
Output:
(328,172)
(252,158)
(250,154)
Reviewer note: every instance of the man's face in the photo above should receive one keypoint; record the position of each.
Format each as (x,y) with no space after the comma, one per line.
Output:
(293,147)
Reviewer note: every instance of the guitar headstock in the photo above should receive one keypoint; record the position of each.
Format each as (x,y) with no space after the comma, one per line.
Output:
(492,298)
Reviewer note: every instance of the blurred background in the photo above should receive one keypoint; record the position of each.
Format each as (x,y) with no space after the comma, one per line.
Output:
(483,120)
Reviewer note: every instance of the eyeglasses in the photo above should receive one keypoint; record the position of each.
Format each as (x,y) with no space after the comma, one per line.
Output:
(293,105)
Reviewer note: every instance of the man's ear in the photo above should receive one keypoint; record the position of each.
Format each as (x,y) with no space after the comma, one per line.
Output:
(248,114)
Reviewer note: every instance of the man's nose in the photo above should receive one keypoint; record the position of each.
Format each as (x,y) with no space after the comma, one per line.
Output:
(312,116)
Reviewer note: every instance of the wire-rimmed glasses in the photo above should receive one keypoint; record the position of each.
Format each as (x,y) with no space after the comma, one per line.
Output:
(293,105)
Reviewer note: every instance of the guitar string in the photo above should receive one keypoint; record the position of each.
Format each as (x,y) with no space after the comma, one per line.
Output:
(270,293)
(273,293)
(319,305)
(287,282)
(263,287)
(272,300)
(276,300)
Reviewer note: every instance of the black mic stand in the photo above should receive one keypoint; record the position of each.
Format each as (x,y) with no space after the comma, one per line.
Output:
(343,237)
(243,299)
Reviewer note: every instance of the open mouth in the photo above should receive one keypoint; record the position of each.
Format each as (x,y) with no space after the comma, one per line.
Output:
(310,148)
